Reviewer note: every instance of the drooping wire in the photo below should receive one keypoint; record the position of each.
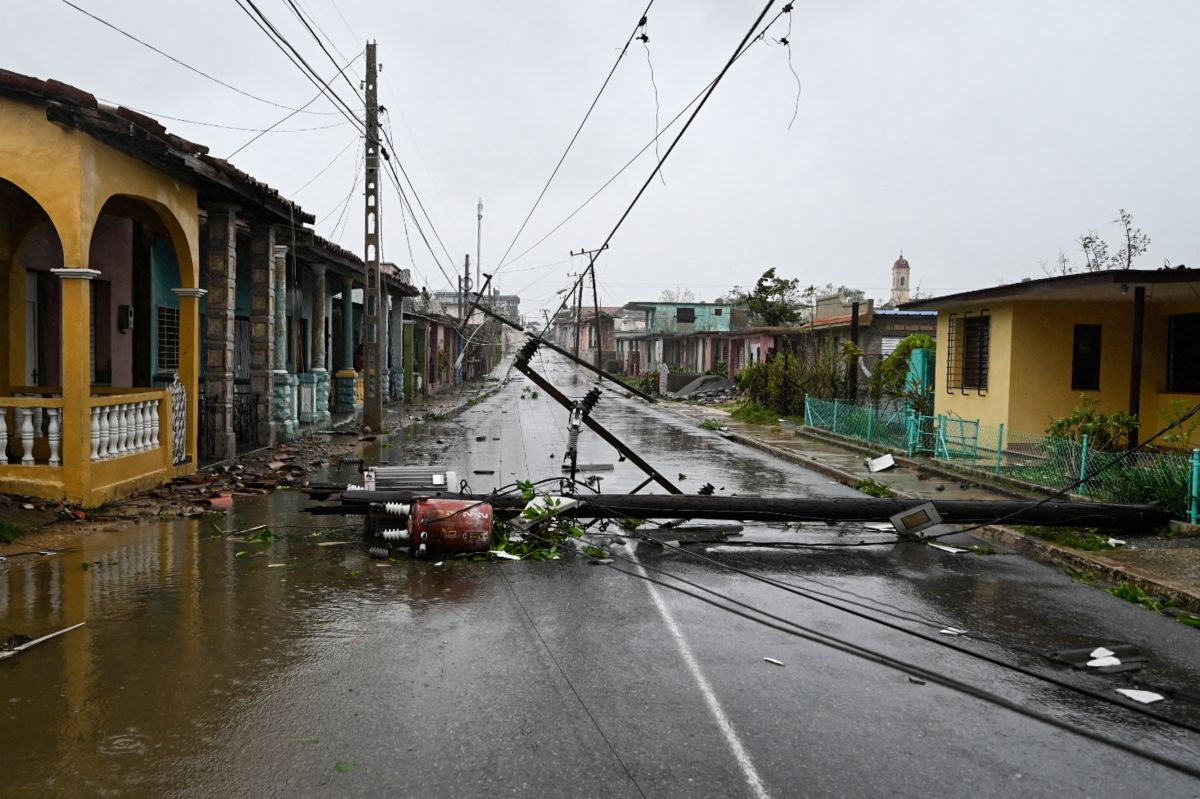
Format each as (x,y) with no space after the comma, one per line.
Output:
(304,21)
(587,115)
(786,41)
(186,66)
(644,38)
(652,143)
(674,143)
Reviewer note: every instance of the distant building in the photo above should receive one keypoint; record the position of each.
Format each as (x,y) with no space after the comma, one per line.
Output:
(901,281)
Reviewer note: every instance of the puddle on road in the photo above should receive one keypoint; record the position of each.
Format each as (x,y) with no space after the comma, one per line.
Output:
(184,627)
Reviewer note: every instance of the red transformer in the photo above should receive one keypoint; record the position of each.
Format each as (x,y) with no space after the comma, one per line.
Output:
(448,526)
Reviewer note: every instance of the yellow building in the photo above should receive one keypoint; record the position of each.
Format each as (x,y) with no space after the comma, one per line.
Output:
(1024,354)
(102,216)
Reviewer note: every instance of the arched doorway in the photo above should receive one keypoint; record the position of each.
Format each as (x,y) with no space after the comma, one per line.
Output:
(29,249)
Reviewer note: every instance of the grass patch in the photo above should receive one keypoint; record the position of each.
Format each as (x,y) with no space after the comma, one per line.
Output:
(1082,538)
(1189,619)
(10,532)
(711,424)
(1082,575)
(875,489)
(1131,593)
(983,549)
(753,413)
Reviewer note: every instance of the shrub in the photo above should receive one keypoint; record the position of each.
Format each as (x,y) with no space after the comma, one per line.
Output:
(1104,431)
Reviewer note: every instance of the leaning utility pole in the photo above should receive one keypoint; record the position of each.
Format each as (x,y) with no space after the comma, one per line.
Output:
(372,294)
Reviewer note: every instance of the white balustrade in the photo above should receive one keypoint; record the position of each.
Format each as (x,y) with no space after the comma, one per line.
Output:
(105,433)
(95,434)
(25,426)
(154,425)
(3,436)
(54,434)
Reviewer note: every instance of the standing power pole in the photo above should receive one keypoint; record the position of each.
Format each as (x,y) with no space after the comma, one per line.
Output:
(591,267)
(372,345)
(479,242)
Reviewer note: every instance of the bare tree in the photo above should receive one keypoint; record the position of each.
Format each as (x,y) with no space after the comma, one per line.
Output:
(677,294)
(1095,251)
(1136,242)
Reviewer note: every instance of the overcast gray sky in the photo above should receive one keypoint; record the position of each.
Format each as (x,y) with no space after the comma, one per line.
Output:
(980,137)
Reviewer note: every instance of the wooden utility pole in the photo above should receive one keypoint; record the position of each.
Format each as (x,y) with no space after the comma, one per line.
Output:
(591,267)
(372,295)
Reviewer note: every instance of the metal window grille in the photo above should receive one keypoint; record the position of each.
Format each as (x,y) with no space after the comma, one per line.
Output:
(975,345)
(953,356)
(168,339)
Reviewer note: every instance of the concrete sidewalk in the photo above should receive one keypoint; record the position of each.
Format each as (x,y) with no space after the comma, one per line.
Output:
(1167,568)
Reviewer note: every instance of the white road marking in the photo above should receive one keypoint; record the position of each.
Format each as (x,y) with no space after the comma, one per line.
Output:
(731,737)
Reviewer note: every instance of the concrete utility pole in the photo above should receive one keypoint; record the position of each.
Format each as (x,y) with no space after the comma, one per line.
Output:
(591,267)
(479,242)
(372,345)
(463,312)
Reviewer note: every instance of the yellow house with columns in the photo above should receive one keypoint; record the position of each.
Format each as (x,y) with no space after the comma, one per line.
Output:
(92,197)
(1024,354)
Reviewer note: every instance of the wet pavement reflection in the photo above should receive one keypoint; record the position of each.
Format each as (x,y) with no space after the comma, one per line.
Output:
(214,664)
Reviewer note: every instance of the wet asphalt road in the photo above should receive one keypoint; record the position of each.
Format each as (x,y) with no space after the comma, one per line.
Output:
(301,668)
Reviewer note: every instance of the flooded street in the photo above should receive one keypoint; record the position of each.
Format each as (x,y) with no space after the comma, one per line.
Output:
(217,665)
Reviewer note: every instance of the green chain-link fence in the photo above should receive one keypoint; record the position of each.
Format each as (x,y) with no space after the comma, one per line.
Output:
(1171,480)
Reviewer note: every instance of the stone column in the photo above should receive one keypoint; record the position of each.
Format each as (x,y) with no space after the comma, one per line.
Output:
(385,326)
(262,329)
(396,337)
(218,334)
(285,383)
(347,378)
(320,373)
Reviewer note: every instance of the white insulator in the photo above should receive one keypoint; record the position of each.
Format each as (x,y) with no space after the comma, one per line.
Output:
(352,487)
(399,534)
(397,508)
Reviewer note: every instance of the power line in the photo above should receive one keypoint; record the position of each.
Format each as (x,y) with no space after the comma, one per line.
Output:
(183,64)
(291,114)
(575,136)
(282,43)
(304,22)
(154,115)
(674,143)
(341,152)
(652,143)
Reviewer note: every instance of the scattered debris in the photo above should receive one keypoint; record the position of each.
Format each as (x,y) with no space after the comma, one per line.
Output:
(502,555)
(952,631)
(1116,542)
(16,644)
(773,661)
(915,680)
(881,463)
(1107,659)
(948,548)
(1145,697)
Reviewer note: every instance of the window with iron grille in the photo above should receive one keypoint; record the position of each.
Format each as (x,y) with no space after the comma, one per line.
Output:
(685,314)
(968,340)
(168,339)
(1183,353)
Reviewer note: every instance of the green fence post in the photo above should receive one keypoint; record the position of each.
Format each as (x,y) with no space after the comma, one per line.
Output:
(870,423)
(999,448)
(1194,510)
(835,410)
(1083,459)
(807,412)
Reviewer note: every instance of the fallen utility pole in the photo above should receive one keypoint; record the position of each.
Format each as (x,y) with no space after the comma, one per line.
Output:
(521,363)
(790,509)
(545,343)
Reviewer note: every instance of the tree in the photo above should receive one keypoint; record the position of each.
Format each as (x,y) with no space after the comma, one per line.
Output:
(677,294)
(1095,249)
(775,300)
